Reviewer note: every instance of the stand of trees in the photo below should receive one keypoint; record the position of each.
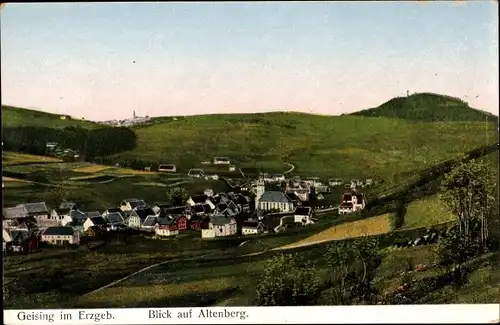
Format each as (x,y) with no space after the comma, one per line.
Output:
(351,264)
(90,144)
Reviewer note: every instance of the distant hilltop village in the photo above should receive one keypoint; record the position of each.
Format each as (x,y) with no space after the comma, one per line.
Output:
(135,120)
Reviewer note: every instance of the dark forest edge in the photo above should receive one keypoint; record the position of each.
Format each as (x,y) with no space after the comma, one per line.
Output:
(89,144)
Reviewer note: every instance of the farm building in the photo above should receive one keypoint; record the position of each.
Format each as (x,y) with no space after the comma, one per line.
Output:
(149,223)
(200,210)
(114,219)
(74,216)
(112,210)
(200,200)
(252,228)
(195,173)
(138,216)
(176,211)
(51,145)
(168,168)
(94,231)
(242,202)
(166,227)
(94,221)
(61,236)
(195,222)
(351,202)
(39,211)
(303,215)
(57,216)
(229,210)
(131,204)
(181,222)
(220,226)
(21,240)
(221,161)
(335,182)
(158,207)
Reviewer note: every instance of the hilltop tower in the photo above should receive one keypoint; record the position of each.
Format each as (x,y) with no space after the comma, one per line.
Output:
(261,188)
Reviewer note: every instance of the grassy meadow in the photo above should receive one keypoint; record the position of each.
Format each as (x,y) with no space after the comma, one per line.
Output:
(94,187)
(360,228)
(326,146)
(427,212)
(17,116)
(231,281)
(54,277)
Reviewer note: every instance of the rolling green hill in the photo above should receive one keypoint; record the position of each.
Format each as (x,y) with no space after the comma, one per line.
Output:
(428,107)
(16,116)
(350,146)
(329,146)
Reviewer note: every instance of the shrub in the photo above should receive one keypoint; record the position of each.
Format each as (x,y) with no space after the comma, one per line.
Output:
(287,281)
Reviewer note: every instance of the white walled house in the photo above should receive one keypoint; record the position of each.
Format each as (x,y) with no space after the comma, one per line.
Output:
(95,221)
(60,216)
(115,221)
(252,228)
(131,204)
(345,208)
(220,226)
(60,236)
(200,200)
(221,161)
(138,216)
(38,210)
(303,215)
(74,217)
(166,227)
(352,202)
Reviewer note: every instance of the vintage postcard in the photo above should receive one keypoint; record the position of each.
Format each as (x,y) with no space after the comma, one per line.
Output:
(250,162)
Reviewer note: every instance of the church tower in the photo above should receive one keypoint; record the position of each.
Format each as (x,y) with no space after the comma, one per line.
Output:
(261,188)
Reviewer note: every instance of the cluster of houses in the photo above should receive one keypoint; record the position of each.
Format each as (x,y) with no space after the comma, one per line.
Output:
(250,212)
(355,183)
(134,120)
(55,149)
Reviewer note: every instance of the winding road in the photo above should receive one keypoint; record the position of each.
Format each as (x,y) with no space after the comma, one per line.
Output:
(292,167)
(286,247)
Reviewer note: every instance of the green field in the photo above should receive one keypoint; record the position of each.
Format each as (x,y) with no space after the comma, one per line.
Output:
(427,212)
(17,116)
(326,146)
(55,181)
(231,281)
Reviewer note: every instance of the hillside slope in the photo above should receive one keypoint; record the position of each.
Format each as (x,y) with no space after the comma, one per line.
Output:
(428,107)
(16,116)
(330,146)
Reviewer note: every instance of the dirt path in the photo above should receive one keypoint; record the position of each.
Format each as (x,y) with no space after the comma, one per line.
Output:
(145,269)
(292,167)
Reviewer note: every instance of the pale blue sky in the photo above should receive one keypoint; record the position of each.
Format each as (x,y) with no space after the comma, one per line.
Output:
(198,58)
